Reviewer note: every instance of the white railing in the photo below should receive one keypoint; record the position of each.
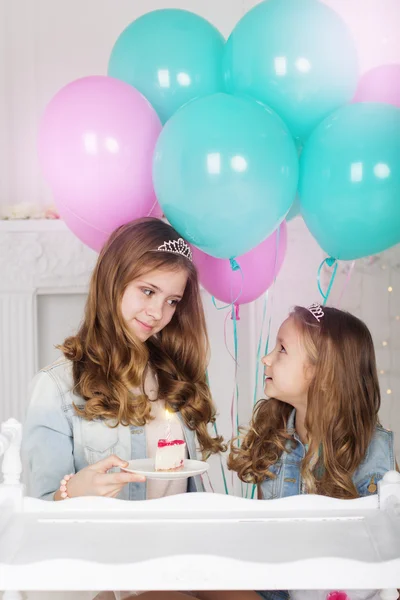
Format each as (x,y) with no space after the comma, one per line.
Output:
(10,447)
(195,541)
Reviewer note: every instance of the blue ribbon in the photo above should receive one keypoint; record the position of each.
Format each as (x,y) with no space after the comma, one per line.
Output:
(235,342)
(234,265)
(331,262)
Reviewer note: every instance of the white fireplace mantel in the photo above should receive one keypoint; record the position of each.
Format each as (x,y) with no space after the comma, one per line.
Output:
(36,257)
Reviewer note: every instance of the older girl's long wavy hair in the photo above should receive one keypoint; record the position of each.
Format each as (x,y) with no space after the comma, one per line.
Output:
(342,408)
(109,362)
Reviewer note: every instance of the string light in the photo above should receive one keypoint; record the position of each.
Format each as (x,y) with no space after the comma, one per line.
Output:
(390,349)
(384,343)
(382,372)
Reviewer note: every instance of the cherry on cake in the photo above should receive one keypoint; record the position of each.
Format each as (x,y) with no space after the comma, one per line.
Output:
(170,455)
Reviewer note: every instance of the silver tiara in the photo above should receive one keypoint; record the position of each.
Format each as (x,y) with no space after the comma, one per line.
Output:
(316,311)
(177,247)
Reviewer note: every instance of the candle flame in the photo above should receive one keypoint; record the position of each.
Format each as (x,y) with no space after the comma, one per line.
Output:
(168,434)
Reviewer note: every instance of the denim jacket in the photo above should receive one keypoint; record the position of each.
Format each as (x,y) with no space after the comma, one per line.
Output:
(379,459)
(57,441)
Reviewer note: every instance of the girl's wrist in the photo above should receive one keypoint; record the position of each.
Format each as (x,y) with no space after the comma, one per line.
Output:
(63,490)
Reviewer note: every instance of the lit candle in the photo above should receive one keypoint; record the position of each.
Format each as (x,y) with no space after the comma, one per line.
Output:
(168,425)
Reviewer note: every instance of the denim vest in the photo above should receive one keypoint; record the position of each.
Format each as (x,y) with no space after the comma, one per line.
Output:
(379,459)
(57,441)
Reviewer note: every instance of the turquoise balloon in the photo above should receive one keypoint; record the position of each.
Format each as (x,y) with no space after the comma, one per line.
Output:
(296,56)
(294,210)
(225,173)
(171,56)
(350,181)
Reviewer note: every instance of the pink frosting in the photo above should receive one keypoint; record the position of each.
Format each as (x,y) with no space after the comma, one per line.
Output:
(163,443)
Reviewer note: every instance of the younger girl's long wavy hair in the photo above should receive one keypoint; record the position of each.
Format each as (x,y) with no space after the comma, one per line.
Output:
(109,362)
(342,408)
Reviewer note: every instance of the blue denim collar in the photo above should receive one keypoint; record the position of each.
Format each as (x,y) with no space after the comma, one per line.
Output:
(290,427)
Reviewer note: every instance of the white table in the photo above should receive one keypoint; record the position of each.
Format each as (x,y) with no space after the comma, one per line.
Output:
(199,541)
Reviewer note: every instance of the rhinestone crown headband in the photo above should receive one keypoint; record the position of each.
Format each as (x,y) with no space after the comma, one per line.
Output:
(177,247)
(316,311)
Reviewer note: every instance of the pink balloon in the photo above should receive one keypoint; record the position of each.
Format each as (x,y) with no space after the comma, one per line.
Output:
(381,84)
(96,144)
(89,235)
(258,267)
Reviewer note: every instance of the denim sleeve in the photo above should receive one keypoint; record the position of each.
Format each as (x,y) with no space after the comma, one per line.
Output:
(379,460)
(47,442)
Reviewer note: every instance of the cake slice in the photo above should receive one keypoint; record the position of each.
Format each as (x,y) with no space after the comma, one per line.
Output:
(170,455)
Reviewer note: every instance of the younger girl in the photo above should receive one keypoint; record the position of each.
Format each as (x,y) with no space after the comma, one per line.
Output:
(142,347)
(319,430)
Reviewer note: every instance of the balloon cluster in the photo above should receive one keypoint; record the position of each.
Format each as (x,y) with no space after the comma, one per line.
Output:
(229,138)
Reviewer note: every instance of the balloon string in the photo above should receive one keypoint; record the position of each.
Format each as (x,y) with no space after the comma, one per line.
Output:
(235,338)
(237,311)
(221,465)
(235,267)
(220,457)
(346,283)
(235,359)
(225,337)
(235,317)
(259,346)
(81,219)
(149,214)
(330,262)
(233,429)
(258,367)
(209,481)
(236,386)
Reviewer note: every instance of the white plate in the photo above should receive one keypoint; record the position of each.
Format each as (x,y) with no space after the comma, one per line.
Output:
(145,466)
